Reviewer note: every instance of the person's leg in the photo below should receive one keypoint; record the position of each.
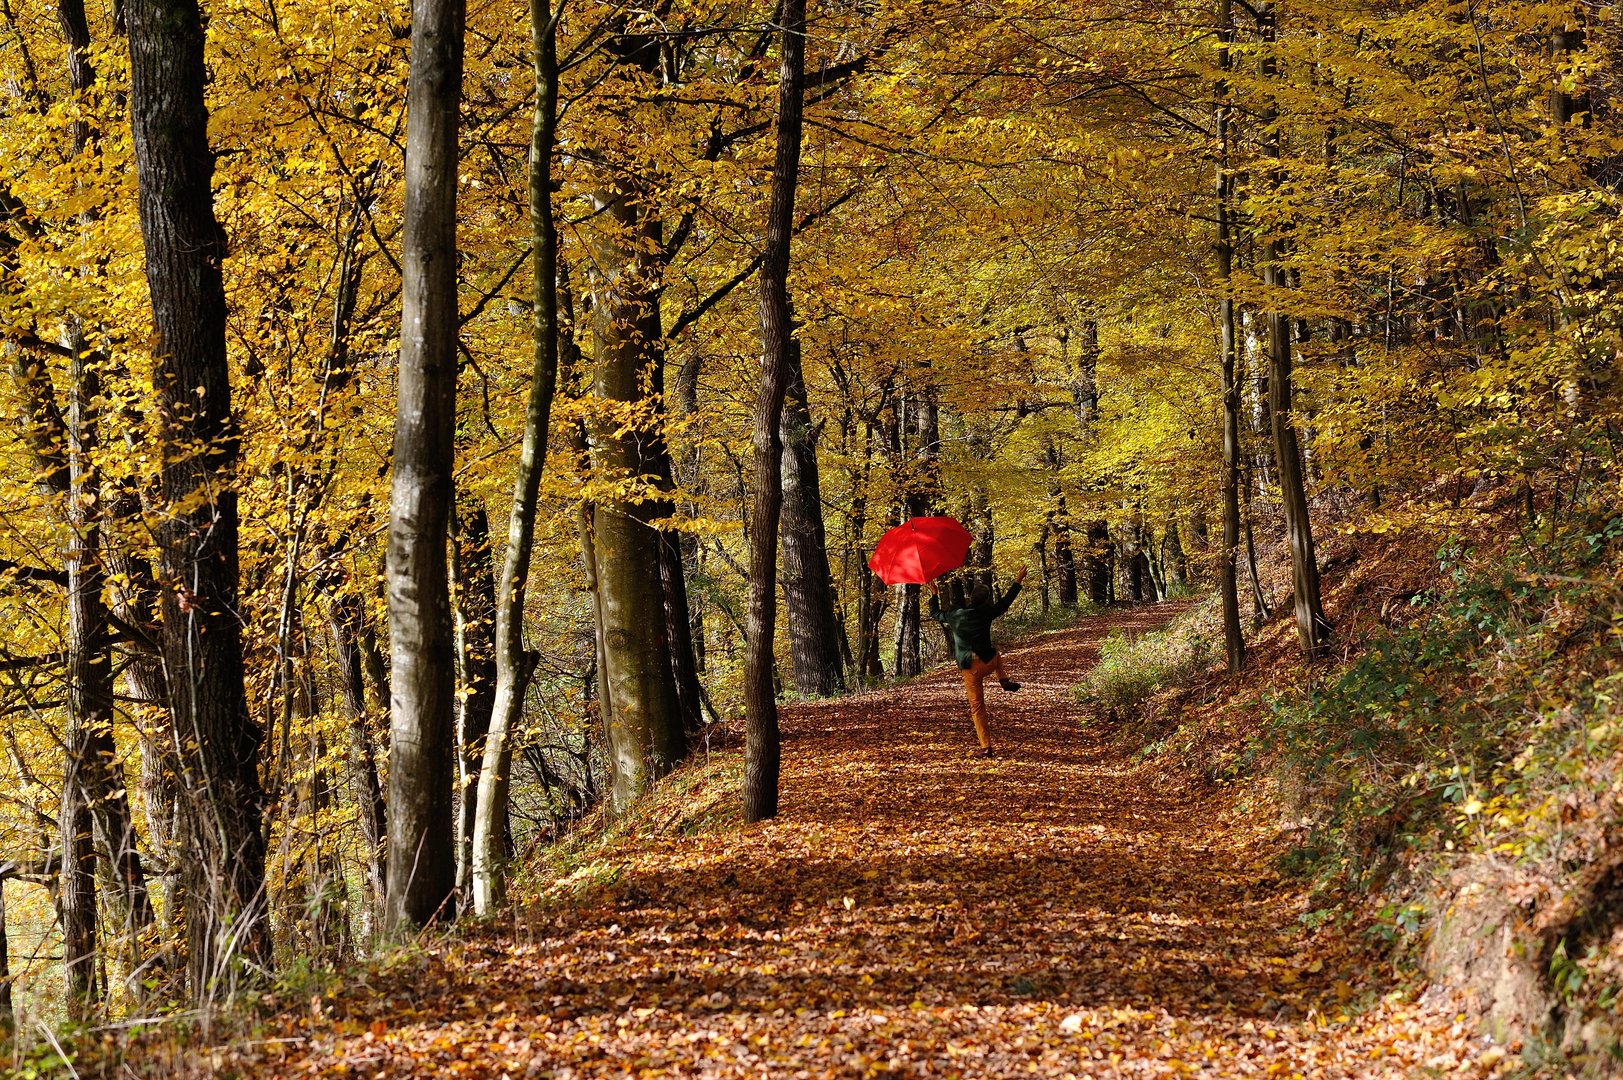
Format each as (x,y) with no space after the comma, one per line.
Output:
(974,676)
(1003,680)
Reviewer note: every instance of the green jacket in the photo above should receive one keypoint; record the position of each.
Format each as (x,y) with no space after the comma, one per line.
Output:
(971,627)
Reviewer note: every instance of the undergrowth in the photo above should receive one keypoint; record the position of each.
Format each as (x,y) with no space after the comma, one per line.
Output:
(1132,668)
(1487,732)
(1479,739)
(700,797)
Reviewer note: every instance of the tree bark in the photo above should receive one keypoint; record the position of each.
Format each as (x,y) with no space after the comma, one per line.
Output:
(217,741)
(1064,553)
(94,794)
(473,578)
(761,749)
(6,1006)
(1312,628)
(1228,588)
(513,668)
(344,613)
(808,587)
(422,714)
(1097,562)
(645,726)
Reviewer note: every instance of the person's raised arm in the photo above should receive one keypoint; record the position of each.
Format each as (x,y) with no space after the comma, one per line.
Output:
(1008,598)
(935,604)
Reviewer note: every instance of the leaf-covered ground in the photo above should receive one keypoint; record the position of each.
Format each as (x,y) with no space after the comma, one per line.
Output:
(1057,910)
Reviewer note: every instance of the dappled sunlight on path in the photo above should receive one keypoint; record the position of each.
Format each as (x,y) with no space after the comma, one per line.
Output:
(1055,910)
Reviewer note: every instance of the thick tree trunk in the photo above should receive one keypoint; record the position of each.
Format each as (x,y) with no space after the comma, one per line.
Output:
(1064,554)
(1228,589)
(513,666)
(473,577)
(1097,562)
(217,742)
(646,732)
(906,661)
(1176,562)
(1312,628)
(808,586)
(422,713)
(761,750)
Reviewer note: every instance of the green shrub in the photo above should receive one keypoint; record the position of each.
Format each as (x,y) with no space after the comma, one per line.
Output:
(1131,668)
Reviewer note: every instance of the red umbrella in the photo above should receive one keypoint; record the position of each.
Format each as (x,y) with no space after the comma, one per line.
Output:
(920,550)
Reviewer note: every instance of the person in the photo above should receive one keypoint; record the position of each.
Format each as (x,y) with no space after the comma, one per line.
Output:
(970,629)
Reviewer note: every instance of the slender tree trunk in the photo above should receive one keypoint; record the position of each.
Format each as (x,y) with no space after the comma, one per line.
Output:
(870,596)
(92,781)
(473,578)
(217,742)
(1259,602)
(344,613)
(761,750)
(808,586)
(513,666)
(134,599)
(422,713)
(1040,551)
(76,893)
(1312,628)
(1227,578)
(6,1006)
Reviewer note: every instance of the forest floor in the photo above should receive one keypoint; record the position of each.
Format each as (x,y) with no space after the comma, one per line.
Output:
(1060,909)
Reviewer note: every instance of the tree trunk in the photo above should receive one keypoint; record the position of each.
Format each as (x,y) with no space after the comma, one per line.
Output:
(217,741)
(1040,551)
(906,661)
(646,731)
(1228,588)
(1064,554)
(94,794)
(808,586)
(473,578)
(1312,628)
(344,612)
(1098,562)
(1177,562)
(422,712)
(134,599)
(761,750)
(513,666)
(6,1007)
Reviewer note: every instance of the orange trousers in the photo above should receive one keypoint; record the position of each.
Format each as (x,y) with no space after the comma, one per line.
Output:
(974,677)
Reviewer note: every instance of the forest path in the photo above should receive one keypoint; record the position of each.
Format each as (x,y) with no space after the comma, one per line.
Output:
(1056,910)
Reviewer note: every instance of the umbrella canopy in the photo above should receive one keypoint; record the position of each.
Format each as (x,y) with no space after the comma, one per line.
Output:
(920,550)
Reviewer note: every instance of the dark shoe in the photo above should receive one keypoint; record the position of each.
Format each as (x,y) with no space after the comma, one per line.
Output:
(1009,684)
(985,751)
